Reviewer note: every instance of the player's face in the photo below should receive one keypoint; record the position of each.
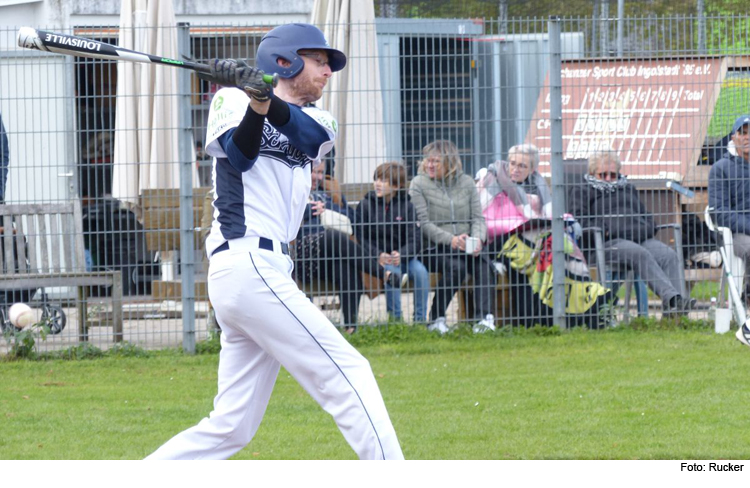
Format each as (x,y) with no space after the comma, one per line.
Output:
(741,140)
(519,167)
(318,174)
(434,167)
(384,189)
(309,84)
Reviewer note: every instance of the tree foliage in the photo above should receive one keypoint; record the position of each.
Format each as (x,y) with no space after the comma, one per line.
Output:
(519,9)
(726,7)
(652,27)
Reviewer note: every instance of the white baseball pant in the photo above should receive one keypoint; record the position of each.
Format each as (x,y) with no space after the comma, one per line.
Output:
(266,321)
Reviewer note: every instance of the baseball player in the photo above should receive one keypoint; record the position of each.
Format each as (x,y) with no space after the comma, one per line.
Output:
(264,144)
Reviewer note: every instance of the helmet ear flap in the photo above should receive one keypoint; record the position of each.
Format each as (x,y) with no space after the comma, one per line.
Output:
(295,67)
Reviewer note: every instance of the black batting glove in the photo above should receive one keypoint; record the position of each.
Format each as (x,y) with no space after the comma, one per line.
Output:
(251,80)
(229,72)
(223,72)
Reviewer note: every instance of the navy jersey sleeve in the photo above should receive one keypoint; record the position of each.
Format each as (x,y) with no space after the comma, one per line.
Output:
(304,132)
(236,158)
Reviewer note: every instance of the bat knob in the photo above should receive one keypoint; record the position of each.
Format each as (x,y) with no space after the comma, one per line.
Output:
(28,38)
(272,80)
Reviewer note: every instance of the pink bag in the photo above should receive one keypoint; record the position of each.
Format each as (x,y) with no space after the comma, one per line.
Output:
(502,217)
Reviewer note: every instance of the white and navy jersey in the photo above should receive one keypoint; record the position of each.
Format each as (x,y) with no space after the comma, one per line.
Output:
(269,199)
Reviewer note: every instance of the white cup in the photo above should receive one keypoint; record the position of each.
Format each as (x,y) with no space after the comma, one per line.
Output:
(472,244)
(723,317)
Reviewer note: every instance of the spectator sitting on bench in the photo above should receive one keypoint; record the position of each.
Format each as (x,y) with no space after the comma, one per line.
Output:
(325,252)
(608,201)
(386,227)
(517,207)
(450,215)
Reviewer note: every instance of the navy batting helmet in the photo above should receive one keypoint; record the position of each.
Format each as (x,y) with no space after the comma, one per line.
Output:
(285,40)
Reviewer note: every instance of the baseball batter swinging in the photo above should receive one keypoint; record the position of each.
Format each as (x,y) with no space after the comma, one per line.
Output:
(265,145)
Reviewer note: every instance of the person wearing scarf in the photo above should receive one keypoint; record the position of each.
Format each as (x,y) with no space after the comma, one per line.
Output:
(517,206)
(608,201)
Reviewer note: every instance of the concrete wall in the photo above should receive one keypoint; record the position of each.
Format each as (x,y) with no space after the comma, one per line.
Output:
(59,14)
(199,7)
(37,113)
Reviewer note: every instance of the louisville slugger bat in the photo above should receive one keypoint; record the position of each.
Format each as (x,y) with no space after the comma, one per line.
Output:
(31,38)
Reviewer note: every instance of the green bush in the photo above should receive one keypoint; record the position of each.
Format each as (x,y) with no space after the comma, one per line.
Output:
(81,351)
(212,345)
(127,350)
(22,342)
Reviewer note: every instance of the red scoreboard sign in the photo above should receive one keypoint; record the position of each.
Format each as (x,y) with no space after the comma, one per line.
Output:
(654,113)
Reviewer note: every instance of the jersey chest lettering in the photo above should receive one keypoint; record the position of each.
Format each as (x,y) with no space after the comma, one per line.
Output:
(276,147)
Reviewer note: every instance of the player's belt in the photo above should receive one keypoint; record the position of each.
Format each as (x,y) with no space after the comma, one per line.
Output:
(263,243)
(267,244)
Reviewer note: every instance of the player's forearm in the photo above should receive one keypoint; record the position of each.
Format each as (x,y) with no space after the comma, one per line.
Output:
(247,136)
(278,112)
(260,108)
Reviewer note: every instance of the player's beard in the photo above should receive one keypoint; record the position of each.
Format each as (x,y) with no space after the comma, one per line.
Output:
(307,88)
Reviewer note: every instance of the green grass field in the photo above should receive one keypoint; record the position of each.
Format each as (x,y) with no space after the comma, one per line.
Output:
(617,394)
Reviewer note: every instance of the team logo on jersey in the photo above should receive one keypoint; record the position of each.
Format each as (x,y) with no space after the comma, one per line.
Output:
(278,148)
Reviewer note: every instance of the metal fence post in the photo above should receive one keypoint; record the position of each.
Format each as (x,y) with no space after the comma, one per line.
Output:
(701,8)
(187,226)
(604,30)
(620,27)
(558,174)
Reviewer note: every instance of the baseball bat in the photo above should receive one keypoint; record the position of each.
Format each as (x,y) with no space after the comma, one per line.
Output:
(31,38)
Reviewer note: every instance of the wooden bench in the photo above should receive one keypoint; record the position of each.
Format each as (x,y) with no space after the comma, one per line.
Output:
(43,247)
(161,220)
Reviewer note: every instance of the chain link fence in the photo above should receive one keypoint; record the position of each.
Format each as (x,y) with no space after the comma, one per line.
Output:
(661,92)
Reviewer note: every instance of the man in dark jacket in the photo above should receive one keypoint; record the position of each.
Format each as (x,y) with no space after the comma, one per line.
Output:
(386,227)
(607,200)
(729,195)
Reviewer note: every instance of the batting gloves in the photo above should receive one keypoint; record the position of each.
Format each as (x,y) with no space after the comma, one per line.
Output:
(229,72)
(251,80)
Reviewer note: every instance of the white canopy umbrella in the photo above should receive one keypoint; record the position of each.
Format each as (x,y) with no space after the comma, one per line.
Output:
(146,152)
(354,95)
